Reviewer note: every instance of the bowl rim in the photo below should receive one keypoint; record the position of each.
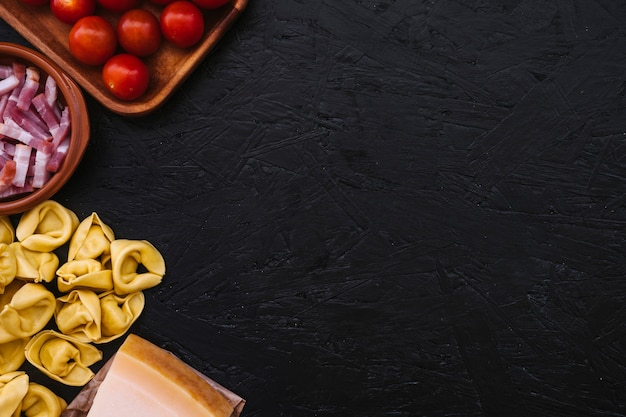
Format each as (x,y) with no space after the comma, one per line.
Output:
(79,123)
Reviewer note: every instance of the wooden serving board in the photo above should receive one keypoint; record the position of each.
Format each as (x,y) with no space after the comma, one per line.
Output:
(169,66)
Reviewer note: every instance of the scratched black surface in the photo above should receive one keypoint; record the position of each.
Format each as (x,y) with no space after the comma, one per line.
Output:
(387,208)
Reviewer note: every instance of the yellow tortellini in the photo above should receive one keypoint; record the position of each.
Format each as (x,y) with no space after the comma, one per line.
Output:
(13,389)
(91,240)
(62,358)
(12,355)
(119,313)
(126,258)
(78,314)
(40,401)
(8,266)
(34,266)
(84,273)
(7,231)
(26,308)
(46,227)
(20,397)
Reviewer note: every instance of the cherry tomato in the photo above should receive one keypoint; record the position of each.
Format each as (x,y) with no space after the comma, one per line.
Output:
(69,11)
(138,32)
(211,4)
(182,23)
(92,40)
(36,2)
(162,2)
(126,76)
(119,6)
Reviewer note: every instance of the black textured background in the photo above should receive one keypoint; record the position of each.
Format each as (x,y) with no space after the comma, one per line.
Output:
(387,208)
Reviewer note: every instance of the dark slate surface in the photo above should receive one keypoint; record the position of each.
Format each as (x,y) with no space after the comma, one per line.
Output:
(387,208)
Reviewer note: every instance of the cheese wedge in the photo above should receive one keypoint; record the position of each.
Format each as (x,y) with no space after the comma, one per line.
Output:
(147,381)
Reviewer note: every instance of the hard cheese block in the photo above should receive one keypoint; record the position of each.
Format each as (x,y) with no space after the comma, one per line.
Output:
(144,380)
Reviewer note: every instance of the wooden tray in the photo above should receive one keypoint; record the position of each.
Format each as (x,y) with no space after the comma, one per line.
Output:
(169,67)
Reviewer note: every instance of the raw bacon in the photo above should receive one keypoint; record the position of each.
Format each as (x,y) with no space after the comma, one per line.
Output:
(50,91)
(6,71)
(13,191)
(62,131)
(29,89)
(14,131)
(45,111)
(8,84)
(58,156)
(22,163)
(7,174)
(34,129)
(40,170)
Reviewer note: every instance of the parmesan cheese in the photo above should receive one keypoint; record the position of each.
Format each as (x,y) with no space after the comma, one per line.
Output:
(147,381)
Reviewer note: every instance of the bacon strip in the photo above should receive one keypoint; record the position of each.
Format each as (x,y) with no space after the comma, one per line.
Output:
(29,89)
(45,111)
(3,105)
(8,84)
(62,131)
(6,71)
(7,174)
(51,91)
(12,191)
(16,132)
(40,170)
(22,162)
(27,122)
(58,156)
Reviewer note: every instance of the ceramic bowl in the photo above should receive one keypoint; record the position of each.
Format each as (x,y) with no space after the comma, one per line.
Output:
(69,93)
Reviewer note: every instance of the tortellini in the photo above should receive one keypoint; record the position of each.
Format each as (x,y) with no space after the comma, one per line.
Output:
(40,401)
(78,314)
(7,231)
(26,308)
(8,266)
(84,273)
(34,266)
(126,258)
(13,389)
(119,313)
(62,358)
(46,227)
(91,240)
(12,355)
(20,397)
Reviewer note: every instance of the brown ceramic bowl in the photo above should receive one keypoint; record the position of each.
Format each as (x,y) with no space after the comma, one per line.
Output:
(69,93)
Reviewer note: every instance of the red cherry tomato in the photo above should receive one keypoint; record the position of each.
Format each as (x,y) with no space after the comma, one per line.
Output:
(36,2)
(211,4)
(92,40)
(119,6)
(182,23)
(126,76)
(69,11)
(162,2)
(138,32)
